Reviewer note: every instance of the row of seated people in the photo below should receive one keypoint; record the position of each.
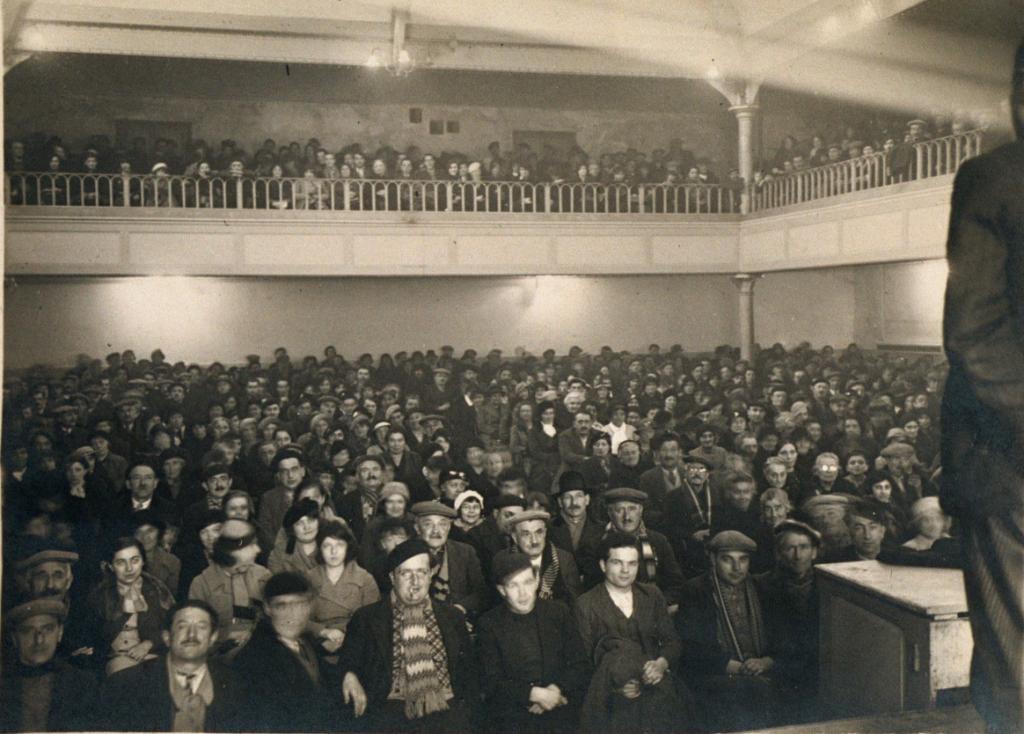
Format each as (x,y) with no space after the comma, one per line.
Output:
(699,517)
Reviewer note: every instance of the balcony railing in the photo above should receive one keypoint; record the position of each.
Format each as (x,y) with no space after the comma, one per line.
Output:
(115,191)
(927,159)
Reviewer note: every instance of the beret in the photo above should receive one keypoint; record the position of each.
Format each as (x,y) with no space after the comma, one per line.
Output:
(215,469)
(368,457)
(898,449)
(82,451)
(870,509)
(212,516)
(528,515)
(328,399)
(795,526)
(433,507)
(507,563)
(832,498)
(148,517)
(731,540)
(305,507)
(624,494)
(285,583)
(469,494)
(450,474)
(406,550)
(507,500)
(288,452)
(925,506)
(571,481)
(442,371)
(393,488)
(175,452)
(48,605)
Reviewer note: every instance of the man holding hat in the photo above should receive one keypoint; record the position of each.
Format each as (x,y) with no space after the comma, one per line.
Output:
(39,690)
(658,564)
(456,576)
(789,596)
(725,640)
(535,670)
(555,568)
(279,669)
(573,526)
(408,660)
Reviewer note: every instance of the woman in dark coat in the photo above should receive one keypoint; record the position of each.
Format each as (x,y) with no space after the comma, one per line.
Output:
(542,449)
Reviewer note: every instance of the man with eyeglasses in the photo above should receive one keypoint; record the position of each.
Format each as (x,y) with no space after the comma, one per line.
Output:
(408,660)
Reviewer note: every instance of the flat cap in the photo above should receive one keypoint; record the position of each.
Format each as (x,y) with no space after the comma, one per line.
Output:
(43,551)
(507,500)
(528,515)
(795,526)
(216,469)
(392,488)
(624,494)
(506,563)
(832,498)
(898,449)
(870,509)
(731,540)
(48,605)
(690,459)
(433,507)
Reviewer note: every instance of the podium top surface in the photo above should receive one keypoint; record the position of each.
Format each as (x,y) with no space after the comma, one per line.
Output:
(926,591)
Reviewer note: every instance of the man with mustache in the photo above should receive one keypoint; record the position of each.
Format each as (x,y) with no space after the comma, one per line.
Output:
(183,690)
(456,576)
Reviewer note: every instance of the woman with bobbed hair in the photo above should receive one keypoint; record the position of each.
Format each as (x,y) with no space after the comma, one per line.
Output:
(128,608)
(340,585)
(301,524)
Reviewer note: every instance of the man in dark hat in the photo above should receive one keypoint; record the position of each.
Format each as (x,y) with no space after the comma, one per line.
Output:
(573,525)
(789,597)
(456,576)
(279,669)
(357,507)
(658,564)
(408,660)
(113,467)
(39,689)
(141,495)
(217,479)
(495,533)
(183,690)
(866,520)
(726,649)
(535,670)
(689,513)
(663,479)
(708,448)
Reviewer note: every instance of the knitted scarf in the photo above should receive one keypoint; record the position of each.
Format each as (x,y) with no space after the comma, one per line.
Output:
(726,630)
(419,670)
(549,575)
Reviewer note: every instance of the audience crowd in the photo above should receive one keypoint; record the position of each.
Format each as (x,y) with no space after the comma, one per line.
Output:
(427,542)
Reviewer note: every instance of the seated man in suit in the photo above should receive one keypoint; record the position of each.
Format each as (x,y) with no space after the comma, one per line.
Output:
(535,670)
(279,669)
(455,567)
(556,568)
(409,662)
(184,690)
(573,524)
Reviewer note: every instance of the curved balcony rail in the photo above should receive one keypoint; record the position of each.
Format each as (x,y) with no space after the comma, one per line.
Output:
(116,191)
(927,159)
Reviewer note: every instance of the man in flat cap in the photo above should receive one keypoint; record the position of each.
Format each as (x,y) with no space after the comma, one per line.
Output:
(40,691)
(658,563)
(627,632)
(790,604)
(495,533)
(535,670)
(909,483)
(358,507)
(279,669)
(573,526)
(665,478)
(408,660)
(827,515)
(556,568)
(216,483)
(456,575)
(726,649)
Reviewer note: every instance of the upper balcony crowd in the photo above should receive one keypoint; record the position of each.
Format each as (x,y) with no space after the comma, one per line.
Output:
(671,180)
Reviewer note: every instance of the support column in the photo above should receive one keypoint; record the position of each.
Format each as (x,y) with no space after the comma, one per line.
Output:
(745,123)
(744,282)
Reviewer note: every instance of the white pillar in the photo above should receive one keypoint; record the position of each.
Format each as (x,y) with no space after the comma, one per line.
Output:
(744,282)
(745,129)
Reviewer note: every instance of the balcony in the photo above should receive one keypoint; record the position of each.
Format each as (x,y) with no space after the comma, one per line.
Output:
(880,208)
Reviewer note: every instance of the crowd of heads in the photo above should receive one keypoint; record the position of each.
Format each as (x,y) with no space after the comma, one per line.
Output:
(130,484)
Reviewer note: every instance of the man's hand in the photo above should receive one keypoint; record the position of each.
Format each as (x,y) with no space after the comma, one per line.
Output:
(548,698)
(535,708)
(733,667)
(632,689)
(654,671)
(352,691)
(331,639)
(701,535)
(757,666)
